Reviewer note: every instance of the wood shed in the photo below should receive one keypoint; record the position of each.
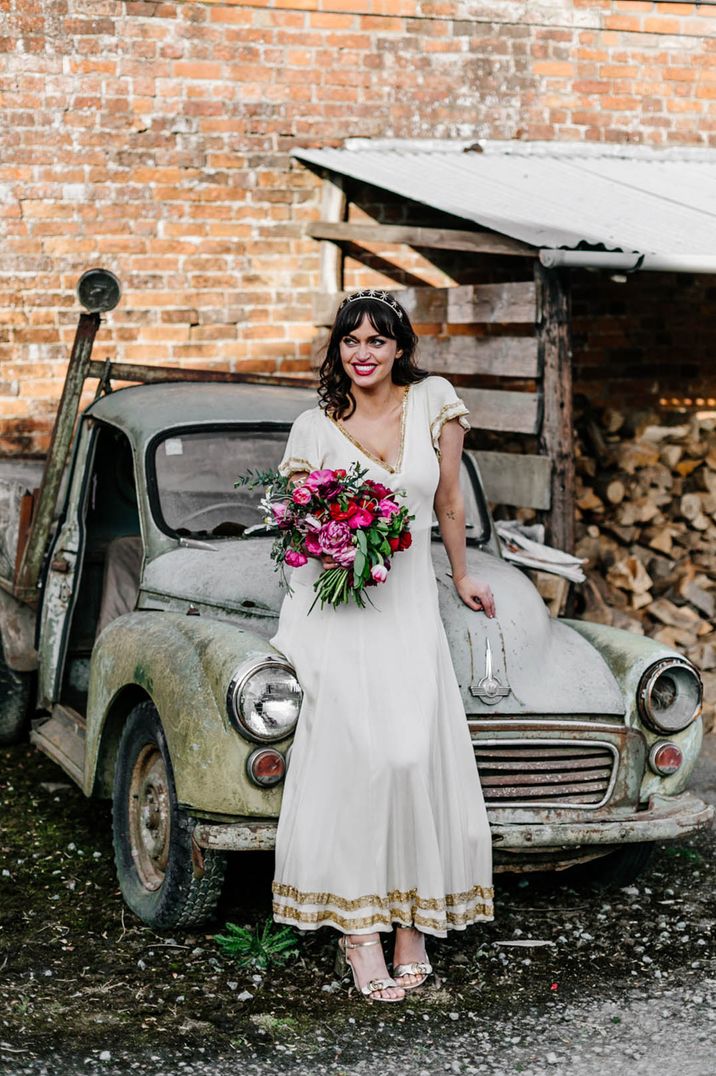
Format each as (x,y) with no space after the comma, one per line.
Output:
(486,245)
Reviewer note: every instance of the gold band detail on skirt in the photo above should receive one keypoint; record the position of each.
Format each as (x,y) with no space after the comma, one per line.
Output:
(455,910)
(407,896)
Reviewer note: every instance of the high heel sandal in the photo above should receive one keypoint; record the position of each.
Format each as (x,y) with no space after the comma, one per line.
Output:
(343,965)
(416,967)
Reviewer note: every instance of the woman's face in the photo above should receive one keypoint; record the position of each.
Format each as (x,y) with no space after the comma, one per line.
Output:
(367,356)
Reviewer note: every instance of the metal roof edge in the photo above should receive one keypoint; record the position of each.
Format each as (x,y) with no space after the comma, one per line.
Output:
(513,148)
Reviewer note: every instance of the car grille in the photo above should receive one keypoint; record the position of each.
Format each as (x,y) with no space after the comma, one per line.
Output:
(552,773)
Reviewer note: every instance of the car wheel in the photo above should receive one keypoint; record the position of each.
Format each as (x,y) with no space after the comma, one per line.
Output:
(619,868)
(165,880)
(15,698)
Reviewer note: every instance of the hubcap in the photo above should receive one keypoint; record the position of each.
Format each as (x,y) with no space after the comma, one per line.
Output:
(149,817)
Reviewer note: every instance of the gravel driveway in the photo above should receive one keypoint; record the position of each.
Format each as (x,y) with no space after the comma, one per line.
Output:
(567,980)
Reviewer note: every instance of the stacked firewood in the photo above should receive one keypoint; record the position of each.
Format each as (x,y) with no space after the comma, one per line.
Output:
(646,522)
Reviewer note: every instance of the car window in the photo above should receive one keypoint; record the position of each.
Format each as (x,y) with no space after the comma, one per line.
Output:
(192,475)
(195,471)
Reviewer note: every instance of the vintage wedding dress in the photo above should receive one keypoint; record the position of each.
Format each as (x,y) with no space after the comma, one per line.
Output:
(383,819)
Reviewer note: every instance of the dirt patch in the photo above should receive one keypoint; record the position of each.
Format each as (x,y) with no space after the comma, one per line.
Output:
(85,987)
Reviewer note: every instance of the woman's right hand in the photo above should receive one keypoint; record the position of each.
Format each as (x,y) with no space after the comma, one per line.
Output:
(329,562)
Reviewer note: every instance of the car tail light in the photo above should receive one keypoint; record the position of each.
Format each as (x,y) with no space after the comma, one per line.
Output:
(665,758)
(266,767)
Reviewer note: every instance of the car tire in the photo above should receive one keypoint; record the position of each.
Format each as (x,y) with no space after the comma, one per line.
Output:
(165,879)
(619,868)
(15,700)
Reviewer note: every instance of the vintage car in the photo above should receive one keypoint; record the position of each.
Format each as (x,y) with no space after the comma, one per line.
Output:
(142,647)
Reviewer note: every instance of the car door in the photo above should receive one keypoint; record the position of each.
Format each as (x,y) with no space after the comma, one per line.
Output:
(62,576)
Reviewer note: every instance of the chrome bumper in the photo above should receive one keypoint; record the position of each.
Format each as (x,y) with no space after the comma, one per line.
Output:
(664,819)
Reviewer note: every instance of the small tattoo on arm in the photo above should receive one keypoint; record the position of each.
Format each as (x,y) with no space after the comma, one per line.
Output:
(450,514)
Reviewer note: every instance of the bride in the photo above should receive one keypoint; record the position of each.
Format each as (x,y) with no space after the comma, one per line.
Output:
(383,821)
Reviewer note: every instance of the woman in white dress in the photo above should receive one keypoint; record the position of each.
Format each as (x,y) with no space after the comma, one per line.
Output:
(383,820)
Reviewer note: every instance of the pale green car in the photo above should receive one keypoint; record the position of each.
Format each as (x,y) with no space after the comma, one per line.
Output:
(157,687)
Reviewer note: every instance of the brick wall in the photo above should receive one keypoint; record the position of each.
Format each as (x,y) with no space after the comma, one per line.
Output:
(154,138)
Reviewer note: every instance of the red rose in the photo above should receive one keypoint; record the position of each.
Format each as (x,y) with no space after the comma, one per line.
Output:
(377,489)
(394,544)
(405,541)
(339,513)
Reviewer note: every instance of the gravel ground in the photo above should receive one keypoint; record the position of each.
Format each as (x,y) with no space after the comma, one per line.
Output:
(566,980)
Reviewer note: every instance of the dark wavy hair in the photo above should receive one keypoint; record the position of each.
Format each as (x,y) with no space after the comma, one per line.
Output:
(335,385)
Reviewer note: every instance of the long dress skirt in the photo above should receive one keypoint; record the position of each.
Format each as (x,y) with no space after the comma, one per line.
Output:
(383,819)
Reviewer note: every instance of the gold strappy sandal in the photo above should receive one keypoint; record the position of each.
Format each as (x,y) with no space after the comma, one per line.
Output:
(417,967)
(343,965)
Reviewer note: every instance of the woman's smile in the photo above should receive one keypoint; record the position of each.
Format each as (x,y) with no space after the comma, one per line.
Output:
(364,369)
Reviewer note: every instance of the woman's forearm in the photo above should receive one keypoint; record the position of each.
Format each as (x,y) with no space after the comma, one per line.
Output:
(451,517)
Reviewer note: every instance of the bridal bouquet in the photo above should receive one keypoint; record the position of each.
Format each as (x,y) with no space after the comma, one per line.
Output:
(339,514)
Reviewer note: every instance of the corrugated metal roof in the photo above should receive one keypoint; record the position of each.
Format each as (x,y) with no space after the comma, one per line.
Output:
(631,199)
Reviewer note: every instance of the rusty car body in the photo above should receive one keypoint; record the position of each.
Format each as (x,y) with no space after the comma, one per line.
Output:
(135,618)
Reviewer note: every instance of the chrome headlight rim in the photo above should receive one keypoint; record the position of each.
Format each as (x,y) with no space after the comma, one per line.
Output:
(645,694)
(234,698)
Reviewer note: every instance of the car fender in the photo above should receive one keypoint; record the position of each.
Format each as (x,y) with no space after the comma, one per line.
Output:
(629,656)
(184,664)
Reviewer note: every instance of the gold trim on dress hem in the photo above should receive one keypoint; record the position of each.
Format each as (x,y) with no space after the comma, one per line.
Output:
(395,469)
(482,912)
(395,896)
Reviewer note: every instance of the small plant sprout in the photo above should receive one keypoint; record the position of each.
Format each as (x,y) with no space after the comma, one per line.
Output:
(260,947)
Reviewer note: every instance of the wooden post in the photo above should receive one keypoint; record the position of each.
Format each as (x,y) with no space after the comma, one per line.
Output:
(333,208)
(557,434)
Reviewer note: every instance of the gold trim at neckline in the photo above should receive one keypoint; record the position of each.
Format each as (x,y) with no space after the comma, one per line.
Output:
(395,469)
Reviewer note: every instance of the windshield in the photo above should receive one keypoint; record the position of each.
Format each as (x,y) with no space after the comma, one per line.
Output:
(193,474)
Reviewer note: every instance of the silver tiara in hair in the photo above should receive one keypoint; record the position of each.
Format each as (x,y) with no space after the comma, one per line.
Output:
(379,296)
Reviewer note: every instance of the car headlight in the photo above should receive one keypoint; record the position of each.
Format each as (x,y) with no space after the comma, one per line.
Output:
(669,695)
(264,699)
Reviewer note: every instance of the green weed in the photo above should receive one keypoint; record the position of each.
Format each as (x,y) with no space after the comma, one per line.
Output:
(258,948)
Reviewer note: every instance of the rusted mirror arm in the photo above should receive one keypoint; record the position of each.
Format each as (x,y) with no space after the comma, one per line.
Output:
(58,453)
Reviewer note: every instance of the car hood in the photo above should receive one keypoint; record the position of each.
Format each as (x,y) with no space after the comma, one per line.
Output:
(521,662)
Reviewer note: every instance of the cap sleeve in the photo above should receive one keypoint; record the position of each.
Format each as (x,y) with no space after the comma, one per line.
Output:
(302,452)
(444,404)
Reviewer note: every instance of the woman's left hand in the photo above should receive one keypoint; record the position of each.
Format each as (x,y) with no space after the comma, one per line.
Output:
(476,594)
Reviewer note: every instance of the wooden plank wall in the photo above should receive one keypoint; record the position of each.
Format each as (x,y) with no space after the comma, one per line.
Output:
(521,334)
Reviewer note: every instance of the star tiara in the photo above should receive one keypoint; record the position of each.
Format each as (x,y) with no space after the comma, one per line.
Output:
(379,296)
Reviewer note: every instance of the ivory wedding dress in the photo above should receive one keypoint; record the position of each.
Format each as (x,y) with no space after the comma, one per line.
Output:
(383,819)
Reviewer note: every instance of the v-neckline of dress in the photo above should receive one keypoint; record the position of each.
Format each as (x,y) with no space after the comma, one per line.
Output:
(395,468)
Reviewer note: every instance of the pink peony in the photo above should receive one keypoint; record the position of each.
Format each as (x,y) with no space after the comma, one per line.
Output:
(387,508)
(379,573)
(280,513)
(301,495)
(312,545)
(316,479)
(294,558)
(345,556)
(361,518)
(334,537)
